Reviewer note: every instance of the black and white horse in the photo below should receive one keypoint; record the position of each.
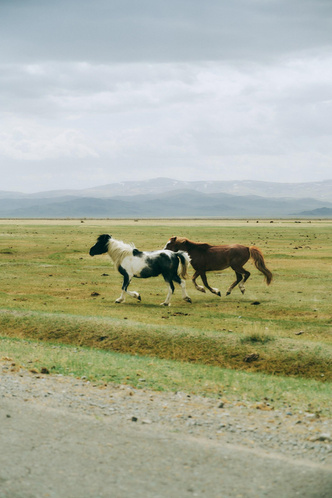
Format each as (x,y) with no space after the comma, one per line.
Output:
(131,262)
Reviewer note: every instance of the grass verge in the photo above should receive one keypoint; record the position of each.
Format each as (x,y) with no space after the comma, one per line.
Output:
(231,386)
(253,353)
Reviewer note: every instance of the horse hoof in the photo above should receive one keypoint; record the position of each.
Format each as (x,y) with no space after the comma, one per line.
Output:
(165,304)
(243,291)
(227,293)
(139,298)
(219,294)
(188,299)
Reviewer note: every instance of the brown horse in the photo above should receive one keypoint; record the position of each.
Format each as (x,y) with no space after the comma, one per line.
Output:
(205,257)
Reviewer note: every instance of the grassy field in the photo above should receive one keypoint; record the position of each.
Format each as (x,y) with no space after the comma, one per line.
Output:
(52,290)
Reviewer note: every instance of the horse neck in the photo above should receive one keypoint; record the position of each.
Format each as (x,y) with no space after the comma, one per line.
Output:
(190,246)
(118,250)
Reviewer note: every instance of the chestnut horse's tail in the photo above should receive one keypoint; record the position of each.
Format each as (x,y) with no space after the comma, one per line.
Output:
(257,255)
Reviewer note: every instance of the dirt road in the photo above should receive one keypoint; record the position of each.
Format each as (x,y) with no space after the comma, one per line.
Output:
(63,437)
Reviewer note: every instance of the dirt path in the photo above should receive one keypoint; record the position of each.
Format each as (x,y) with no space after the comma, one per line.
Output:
(64,437)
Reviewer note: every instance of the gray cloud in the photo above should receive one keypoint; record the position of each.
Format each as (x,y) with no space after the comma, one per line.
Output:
(167,30)
(95,92)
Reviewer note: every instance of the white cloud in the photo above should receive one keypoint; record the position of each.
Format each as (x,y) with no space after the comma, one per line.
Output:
(207,90)
(28,140)
(206,118)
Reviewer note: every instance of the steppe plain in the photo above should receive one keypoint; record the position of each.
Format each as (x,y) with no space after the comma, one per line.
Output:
(178,373)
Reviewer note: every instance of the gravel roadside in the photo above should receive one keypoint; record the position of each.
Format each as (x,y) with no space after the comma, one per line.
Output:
(187,422)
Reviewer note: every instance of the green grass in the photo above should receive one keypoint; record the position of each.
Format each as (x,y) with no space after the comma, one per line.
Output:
(68,297)
(102,367)
(275,355)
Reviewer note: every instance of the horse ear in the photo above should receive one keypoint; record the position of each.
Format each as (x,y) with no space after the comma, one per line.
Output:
(173,238)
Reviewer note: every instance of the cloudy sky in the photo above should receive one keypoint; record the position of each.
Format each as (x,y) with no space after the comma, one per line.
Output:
(102,91)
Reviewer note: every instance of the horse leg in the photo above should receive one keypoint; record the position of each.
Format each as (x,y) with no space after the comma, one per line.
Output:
(185,296)
(234,284)
(241,273)
(134,294)
(198,287)
(121,298)
(211,289)
(126,282)
(182,284)
(169,294)
(245,278)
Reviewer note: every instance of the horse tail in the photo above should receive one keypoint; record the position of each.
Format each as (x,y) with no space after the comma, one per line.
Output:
(257,255)
(185,261)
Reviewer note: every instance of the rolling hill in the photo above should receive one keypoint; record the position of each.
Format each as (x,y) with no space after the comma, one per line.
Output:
(163,198)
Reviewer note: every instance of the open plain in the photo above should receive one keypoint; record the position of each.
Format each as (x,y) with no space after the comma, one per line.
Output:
(226,396)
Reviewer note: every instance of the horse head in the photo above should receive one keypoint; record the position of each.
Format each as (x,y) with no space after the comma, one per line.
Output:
(101,245)
(175,244)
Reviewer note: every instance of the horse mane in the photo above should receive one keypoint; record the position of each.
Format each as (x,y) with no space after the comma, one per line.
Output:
(191,243)
(118,250)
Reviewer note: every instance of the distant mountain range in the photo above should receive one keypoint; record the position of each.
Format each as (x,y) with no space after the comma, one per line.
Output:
(167,198)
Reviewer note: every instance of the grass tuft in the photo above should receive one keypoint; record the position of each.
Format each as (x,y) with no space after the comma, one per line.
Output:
(256,338)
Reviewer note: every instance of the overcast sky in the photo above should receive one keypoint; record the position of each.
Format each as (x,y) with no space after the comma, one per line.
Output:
(102,91)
